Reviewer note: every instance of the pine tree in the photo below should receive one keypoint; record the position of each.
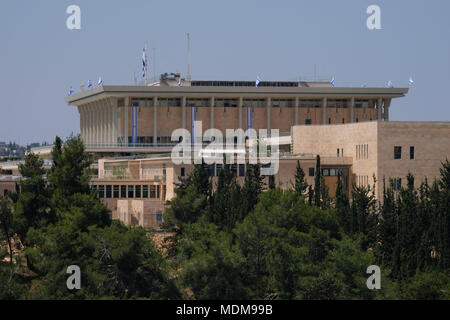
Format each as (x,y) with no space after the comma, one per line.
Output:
(343,205)
(300,184)
(271,181)
(317,181)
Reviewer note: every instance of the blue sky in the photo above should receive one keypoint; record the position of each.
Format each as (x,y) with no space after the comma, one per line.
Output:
(234,39)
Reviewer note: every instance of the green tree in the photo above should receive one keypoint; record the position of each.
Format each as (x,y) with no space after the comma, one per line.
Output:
(317,183)
(6,224)
(300,182)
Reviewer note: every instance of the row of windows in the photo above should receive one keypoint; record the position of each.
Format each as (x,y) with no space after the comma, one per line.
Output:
(128,191)
(214,169)
(398,152)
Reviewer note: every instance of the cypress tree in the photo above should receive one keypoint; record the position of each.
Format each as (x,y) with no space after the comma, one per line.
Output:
(300,184)
(317,180)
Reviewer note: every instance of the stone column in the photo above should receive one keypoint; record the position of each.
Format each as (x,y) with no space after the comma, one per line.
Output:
(240,103)
(352,109)
(387,104)
(211,115)
(155,121)
(89,124)
(113,106)
(81,112)
(379,108)
(268,108)
(296,111)
(183,112)
(324,111)
(125,132)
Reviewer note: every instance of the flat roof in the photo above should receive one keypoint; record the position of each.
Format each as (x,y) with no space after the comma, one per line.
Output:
(231,91)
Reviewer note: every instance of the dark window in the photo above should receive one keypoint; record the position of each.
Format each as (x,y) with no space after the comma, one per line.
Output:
(116,191)
(307,121)
(356,119)
(158,190)
(329,120)
(411,153)
(397,152)
(145,191)
(130,191)
(338,153)
(101,191)
(138,191)
(182,172)
(123,191)
(159,217)
(397,184)
(108,191)
(311,172)
(210,170)
(241,170)
(152,191)
(343,120)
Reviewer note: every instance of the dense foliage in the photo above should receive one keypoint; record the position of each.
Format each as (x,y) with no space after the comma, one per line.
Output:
(231,241)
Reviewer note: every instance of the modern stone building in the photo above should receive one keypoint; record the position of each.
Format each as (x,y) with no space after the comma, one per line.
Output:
(133,119)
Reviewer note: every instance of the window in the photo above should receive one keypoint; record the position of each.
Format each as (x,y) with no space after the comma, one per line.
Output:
(241,170)
(325,172)
(123,191)
(116,191)
(159,217)
(101,191)
(307,121)
(411,152)
(130,191)
(311,172)
(152,191)
(145,191)
(158,190)
(138,191)
(338,152)
(183,172)
(329,120)
(210,169)
(397,184)
(108,192)
(343,120)
(397,152)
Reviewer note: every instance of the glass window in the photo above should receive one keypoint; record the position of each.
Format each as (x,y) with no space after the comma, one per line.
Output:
(411,153)
(333,172)
(158,191)
(116,191)
(145,191)
(326,172)
(241,170)
(130,191)
(397,152)
(123,191)
(311,172)
(183,172)
(108,191)
(101,191)
(398,184)
(307,121)
(159,217)
(153,191)
(137,191)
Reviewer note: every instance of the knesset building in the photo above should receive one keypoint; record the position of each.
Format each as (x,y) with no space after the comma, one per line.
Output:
(118,119)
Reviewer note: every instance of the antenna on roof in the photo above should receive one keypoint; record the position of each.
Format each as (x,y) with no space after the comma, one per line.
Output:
(188,58)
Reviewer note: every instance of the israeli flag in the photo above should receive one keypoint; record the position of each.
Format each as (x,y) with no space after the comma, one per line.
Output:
(364,85)
(258,80)
(70,91)
(179,82)
(389,84)
(100,81)
(144,63)
(411,81)
(89,84)
(332,82)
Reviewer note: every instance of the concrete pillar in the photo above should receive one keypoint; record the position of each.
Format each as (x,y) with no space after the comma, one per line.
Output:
(88,124)
(379,108)
(211,115)
(81,112)
(296,111)
(95,120)
(268,108)
(240,103)
(387,104)
(155,120)
(113,105)
(127,107)
(324,111)
(183,112)
(352,109)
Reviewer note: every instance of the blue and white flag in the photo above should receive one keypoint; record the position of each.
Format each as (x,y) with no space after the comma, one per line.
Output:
(411,81)
(100,81)
(258,80)
(144,63)
(364,85)
(89,84)
(332,82)
(193,118)
(389,84)
(179,82)
(70,91)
